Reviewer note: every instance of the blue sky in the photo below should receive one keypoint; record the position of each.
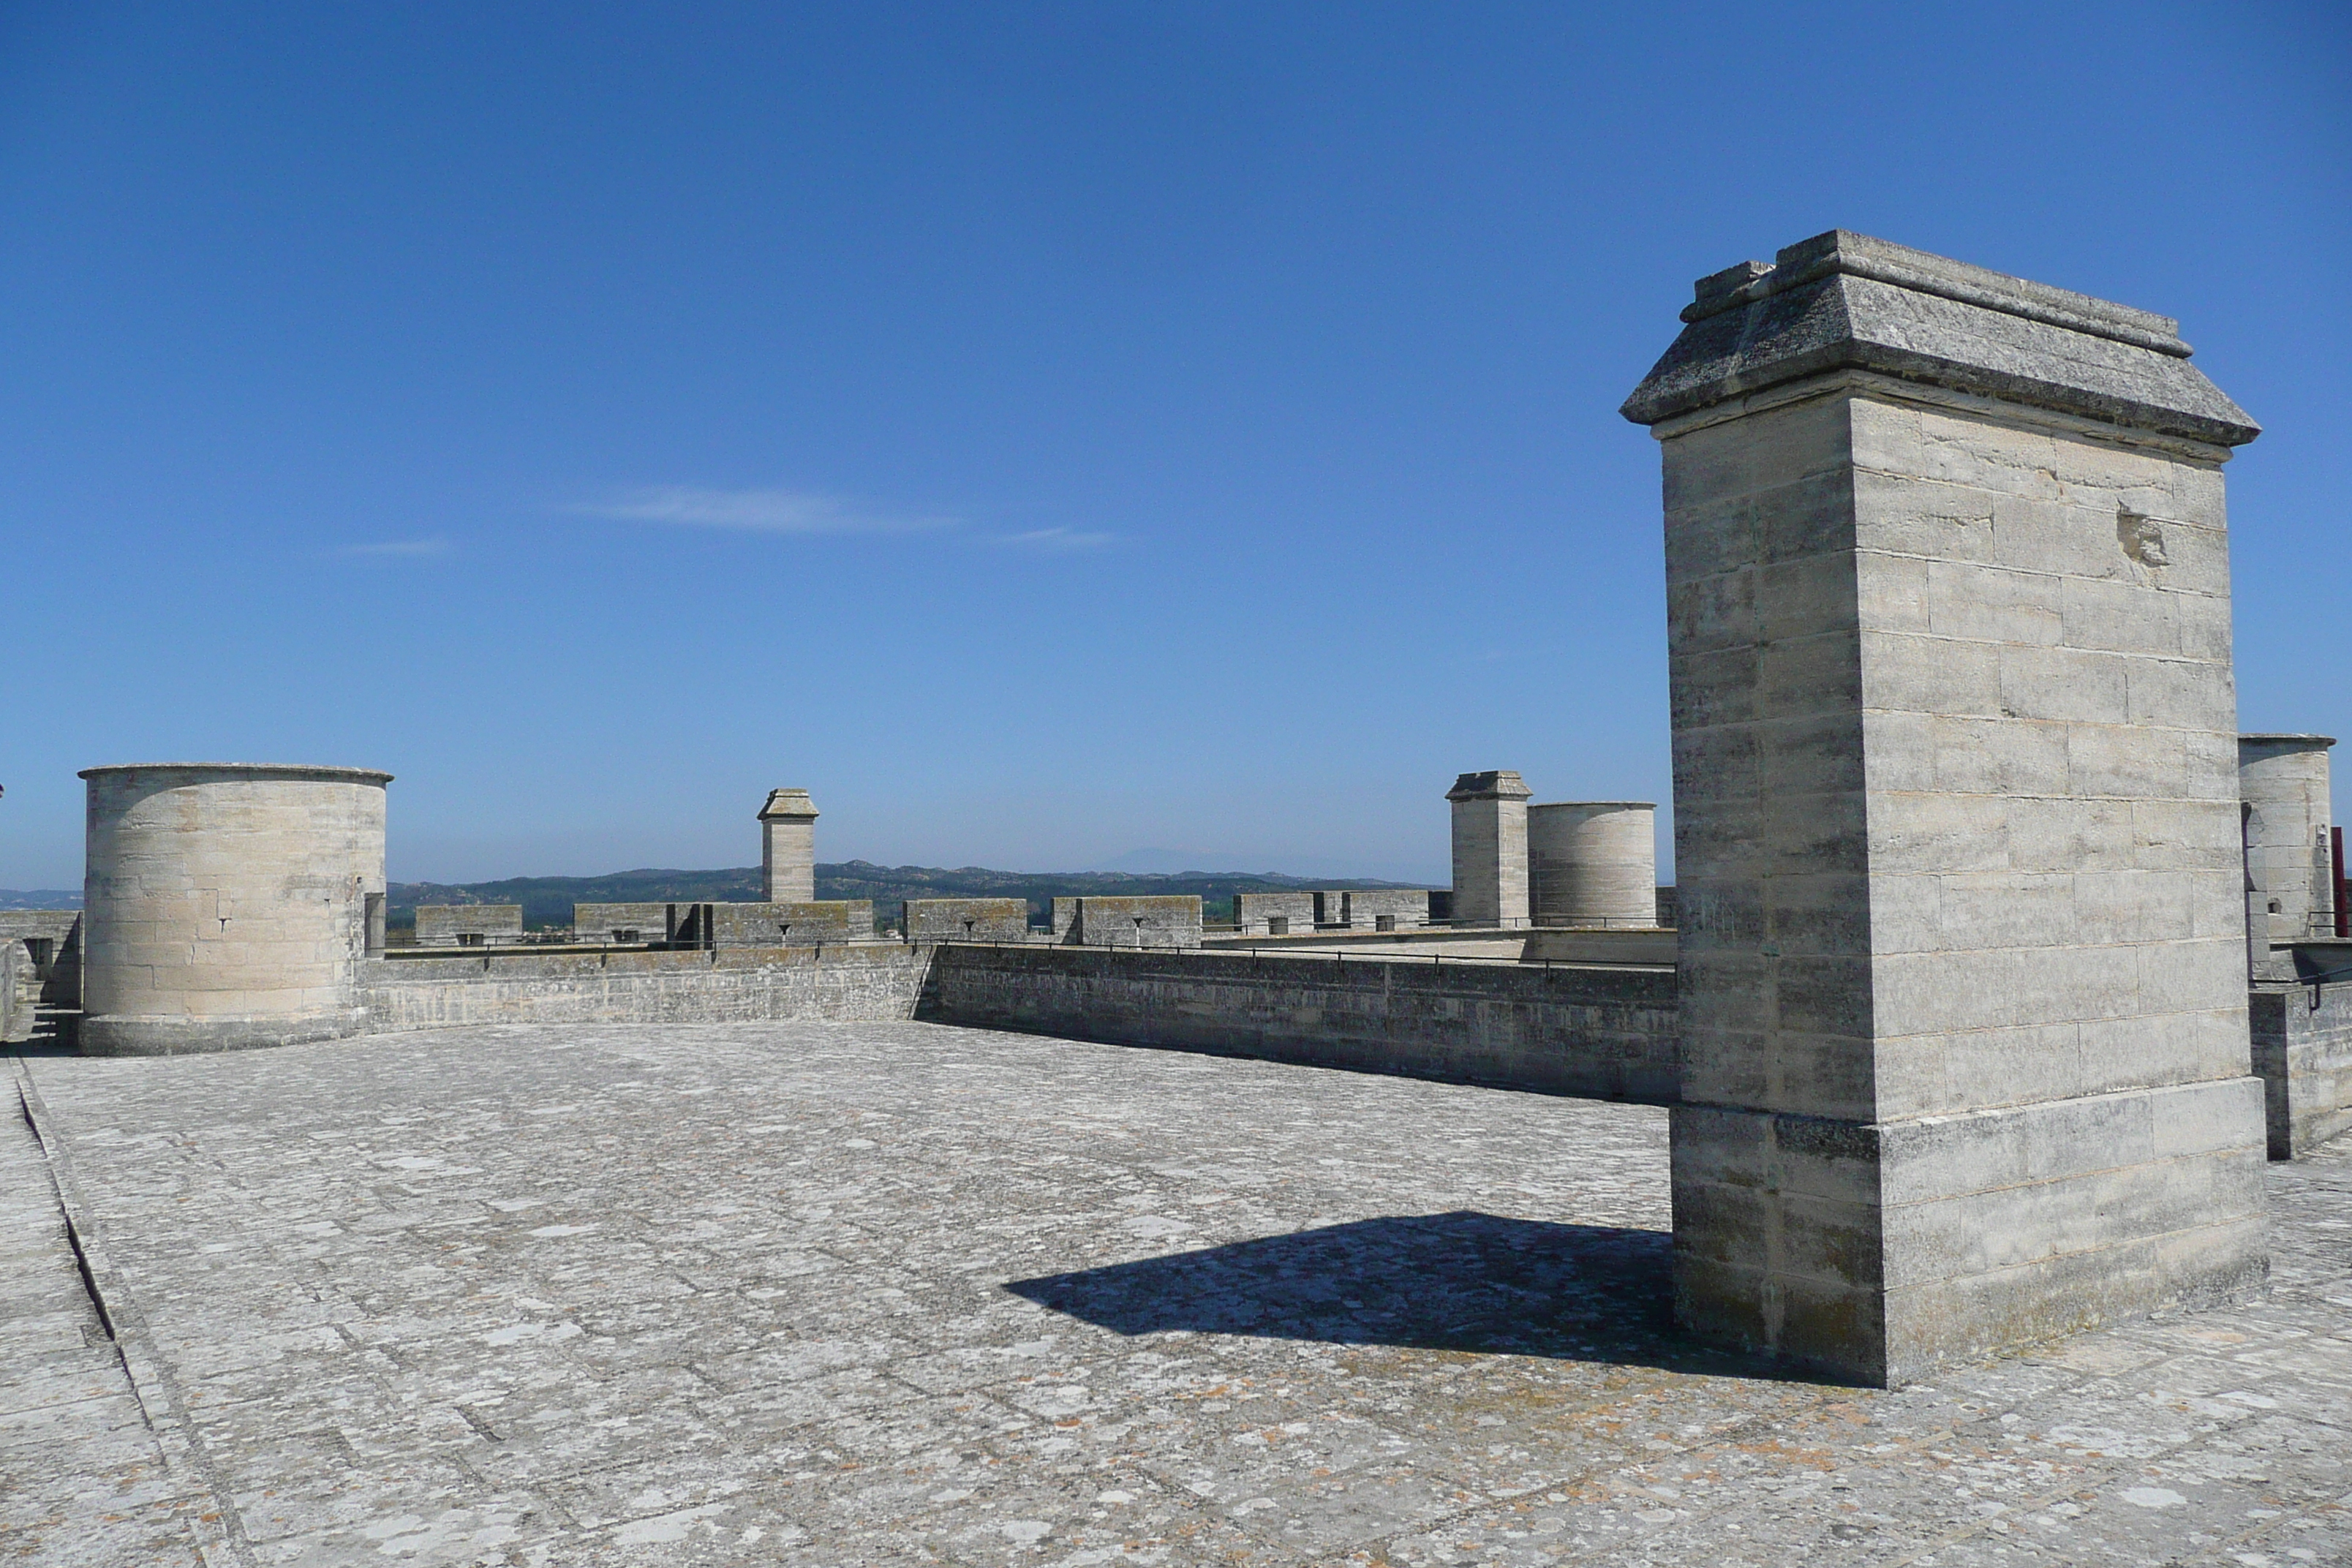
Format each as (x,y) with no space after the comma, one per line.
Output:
(1042,432)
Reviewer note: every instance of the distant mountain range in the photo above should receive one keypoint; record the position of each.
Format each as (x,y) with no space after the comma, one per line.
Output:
(548,900)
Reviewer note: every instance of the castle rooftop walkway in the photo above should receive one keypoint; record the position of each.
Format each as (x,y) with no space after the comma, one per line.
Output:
(898,1293)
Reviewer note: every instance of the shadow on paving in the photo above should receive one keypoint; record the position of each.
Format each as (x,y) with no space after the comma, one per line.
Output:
(1460,1282)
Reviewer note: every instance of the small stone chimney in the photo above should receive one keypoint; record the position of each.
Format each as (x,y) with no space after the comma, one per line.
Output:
(788,847)
(1490,849)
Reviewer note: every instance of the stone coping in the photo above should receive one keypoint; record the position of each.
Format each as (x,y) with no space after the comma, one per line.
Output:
(1924,272)
(1843,303)
(303,771)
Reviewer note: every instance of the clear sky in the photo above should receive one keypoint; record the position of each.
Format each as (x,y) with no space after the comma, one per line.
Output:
(1044,432)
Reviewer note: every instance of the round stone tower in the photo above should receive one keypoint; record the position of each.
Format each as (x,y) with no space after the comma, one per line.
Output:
(1593,863)
(225,905)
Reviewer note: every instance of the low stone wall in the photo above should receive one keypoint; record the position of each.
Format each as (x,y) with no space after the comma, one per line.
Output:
(964,920)
(1362,909)
(860,982)
(1253,912)
(20,992)
(53,939)
(1605,1033)
(611,922)
(2304,1055)
(1162,921)
(446,925)
(819,923)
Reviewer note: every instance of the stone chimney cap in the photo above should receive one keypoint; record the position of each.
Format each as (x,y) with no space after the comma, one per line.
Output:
(2290,741)
(1860,255)
(1841,300)
(1495,783)
(790,805)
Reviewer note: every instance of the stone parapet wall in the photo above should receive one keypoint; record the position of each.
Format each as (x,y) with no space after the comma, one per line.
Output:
(1254,913)
(52,939)
(2302,1052)
(964,920)
(447,925)
(20,992)
(606,922)
(1165,921)
(859,982)
(812,923)
(1605,1033)
(1362,909)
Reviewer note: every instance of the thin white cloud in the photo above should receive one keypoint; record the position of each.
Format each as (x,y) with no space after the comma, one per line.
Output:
(756,512)
(1056,540)
(402,547)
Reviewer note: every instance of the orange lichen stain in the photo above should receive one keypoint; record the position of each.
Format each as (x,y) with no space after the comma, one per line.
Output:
(1772,1447)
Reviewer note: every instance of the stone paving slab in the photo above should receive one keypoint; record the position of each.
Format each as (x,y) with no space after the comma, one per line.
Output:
(896,1293)
(83,1478)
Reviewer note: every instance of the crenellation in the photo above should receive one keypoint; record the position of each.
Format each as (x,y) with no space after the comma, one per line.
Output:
(467,925)
(964,920)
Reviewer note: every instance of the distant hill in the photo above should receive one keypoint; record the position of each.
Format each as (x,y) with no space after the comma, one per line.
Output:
(548,900)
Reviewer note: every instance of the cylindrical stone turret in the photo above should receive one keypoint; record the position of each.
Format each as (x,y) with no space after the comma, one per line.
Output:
(1490,849)
(225,904)
(788,847)
(1593,863)
(2285,779)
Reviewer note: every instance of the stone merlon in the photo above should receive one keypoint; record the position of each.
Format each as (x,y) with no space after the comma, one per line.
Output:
(1846,301)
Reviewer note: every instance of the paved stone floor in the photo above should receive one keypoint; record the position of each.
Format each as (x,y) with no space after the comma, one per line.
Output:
(889,1294)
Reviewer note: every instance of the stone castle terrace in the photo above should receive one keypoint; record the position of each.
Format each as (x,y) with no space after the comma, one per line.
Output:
(900,1293)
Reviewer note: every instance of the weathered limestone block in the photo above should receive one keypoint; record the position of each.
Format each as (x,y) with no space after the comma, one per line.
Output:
(1490,849)
(1963,1040)
(467,925)
(788,847)
(964,920)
